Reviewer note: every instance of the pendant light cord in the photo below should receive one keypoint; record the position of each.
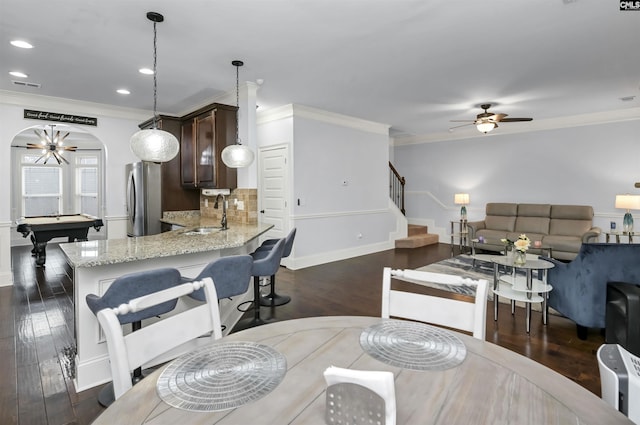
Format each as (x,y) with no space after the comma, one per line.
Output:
(155,76)
(237,103)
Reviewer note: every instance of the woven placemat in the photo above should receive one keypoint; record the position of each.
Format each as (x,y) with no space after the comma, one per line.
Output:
(221,376)
(412,345)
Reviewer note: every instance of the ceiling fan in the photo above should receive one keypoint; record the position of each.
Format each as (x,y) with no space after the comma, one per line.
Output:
(487,121)
(51,145)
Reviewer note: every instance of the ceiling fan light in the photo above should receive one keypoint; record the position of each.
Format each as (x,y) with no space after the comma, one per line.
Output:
(154,145)
(485,127)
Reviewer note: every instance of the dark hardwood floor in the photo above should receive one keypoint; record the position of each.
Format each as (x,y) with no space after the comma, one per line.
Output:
(36,328)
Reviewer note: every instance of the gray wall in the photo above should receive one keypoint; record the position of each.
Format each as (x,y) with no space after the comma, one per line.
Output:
(335,220)
(586,165)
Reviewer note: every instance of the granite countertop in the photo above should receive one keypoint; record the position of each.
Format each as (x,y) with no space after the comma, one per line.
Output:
(176,242)
(194,221)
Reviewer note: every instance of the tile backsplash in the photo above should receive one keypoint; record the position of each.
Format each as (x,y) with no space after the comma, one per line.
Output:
(248,198)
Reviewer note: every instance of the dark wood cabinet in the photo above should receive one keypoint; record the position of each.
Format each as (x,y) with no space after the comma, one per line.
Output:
(204,134)
(174,196)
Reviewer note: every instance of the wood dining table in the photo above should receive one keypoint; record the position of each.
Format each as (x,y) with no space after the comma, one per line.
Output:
(492,385)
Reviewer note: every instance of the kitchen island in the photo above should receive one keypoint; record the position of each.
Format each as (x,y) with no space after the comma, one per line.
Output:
(96,264)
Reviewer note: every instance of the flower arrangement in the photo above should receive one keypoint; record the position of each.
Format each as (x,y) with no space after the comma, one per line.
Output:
(523,243)
(507,242)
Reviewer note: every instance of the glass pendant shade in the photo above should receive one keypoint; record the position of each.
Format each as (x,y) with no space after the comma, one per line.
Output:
(237,156)
(154,145)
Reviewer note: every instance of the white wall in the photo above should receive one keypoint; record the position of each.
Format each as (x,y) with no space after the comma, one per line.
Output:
(340,176)
(585,165)
(115,127)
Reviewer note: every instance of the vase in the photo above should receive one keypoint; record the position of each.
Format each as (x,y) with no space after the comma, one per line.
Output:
(519,258)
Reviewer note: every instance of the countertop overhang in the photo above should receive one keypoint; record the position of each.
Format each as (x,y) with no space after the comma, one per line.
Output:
(167,244)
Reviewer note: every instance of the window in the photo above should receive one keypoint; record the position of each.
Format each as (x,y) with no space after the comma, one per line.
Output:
(87,183)
(41,187)
(51,189)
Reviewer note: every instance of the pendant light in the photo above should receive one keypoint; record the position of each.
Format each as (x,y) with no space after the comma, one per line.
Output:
(152,144)
(238,155)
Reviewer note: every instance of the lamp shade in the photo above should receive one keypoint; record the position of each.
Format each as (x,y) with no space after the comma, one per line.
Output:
(628,202)
(461,198)
(237,156)
(154,145)
(485,127)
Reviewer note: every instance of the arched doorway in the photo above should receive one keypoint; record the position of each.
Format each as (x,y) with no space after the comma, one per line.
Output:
(46,184)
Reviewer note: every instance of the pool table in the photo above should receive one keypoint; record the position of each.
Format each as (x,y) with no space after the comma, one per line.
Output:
(44,228)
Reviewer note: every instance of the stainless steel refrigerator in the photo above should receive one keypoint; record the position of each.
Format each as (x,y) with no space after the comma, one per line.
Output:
(144,207)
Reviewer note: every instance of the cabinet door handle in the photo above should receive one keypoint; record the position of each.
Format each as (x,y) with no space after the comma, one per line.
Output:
(261,211)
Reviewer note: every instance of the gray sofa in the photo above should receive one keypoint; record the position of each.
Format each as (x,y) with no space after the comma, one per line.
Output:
(563,228)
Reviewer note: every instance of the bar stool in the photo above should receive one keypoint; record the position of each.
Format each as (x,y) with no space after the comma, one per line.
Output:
(265,263)
(230,276)
(273,299)
(123,290)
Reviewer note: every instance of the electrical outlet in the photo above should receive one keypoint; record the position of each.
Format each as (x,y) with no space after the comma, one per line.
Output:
(240,205)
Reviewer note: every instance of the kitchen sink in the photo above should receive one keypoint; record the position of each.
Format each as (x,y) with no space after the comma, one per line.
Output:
(201,231)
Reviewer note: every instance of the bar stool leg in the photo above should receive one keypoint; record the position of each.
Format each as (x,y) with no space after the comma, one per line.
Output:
(273,299)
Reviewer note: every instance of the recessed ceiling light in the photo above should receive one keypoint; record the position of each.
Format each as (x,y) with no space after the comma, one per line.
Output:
(123,91)
(21,44)
(146,71)
(18,74)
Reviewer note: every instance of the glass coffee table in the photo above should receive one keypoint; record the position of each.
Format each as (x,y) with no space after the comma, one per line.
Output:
(521,287)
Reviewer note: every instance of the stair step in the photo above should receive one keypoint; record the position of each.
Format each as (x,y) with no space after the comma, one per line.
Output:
(416,241)
(414,230)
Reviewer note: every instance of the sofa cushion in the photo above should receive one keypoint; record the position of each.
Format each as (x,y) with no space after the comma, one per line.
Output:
(572,212)
(503,223)
(506,209)
(492,236)
(534,210)
(562,243)
(538,225)
(575,228)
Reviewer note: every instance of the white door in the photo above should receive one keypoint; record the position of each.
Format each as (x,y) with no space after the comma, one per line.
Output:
(273,190)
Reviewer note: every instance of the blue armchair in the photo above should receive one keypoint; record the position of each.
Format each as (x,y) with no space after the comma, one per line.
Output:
(580,286)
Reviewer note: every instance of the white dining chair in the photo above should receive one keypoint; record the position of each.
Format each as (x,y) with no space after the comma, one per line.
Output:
(452,313)
(126,352)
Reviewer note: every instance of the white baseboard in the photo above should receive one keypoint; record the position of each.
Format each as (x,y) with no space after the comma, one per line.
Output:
(328,257)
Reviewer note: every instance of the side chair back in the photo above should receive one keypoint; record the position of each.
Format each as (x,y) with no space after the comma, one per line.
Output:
(452,313)
(127,352)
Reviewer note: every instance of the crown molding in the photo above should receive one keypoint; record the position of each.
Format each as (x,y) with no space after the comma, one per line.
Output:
(620,115)
(69,106)
(300,111)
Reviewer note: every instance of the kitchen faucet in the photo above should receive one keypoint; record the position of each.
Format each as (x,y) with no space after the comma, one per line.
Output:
(223,223)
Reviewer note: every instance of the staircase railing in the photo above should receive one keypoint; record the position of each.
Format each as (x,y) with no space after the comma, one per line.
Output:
(396,187)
